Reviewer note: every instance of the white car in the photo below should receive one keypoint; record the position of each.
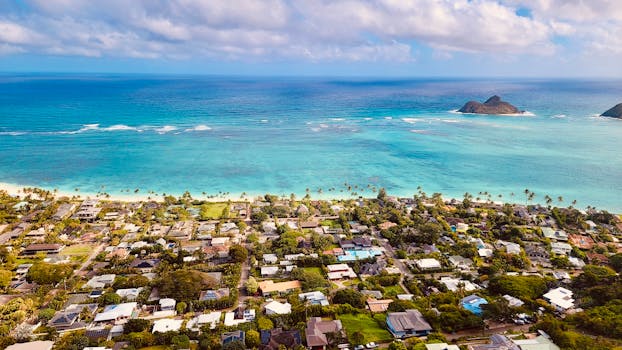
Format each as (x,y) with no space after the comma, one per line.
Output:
(371,345)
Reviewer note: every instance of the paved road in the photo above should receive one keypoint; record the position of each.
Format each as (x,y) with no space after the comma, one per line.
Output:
(92,256)
(244,274)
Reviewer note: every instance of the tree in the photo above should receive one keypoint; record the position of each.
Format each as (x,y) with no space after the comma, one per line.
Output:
(109,298)
(616,262)
(252,286)
(238,253)
(180,342)
(46,315)
(44,273)
(264,323)
(135,325)
(397,346)
(234,345)
(181,307)
(349,296)
(5,278)
(252,339)
(184,285)
(310,279)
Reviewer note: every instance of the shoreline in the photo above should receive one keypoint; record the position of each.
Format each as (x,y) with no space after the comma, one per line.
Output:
(17,190)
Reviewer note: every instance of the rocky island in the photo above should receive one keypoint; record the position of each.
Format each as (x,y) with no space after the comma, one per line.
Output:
(493,105)
(614,112)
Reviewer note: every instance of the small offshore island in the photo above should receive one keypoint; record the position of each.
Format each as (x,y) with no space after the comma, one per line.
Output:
(614,112)
(297,273)
(493,105)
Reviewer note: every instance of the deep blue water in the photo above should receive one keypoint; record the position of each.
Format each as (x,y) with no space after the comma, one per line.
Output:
(283,135)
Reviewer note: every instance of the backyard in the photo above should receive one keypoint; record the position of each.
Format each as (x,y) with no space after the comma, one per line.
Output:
(366,326)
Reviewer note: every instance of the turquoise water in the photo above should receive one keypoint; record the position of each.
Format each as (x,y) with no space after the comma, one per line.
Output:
(258,135)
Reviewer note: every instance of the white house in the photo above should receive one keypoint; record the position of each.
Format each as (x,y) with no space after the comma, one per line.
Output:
(560,248)
(167,325)
(276,308)
(118,314)
(129,293)
(167,304)
(428,264)
(454,284)
(555,235)
(560,298)
(314,298)
(270,258)
(210,319)
(99,282)
(340,271)
(269,271)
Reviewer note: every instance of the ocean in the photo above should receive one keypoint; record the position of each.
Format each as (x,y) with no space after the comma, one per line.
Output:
(330,137)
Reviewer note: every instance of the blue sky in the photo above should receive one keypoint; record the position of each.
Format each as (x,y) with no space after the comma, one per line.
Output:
(484,38)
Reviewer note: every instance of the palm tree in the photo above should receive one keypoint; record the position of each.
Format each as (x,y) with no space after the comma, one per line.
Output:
(560,199)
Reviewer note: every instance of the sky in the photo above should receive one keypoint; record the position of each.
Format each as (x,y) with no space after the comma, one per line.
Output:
(392,38)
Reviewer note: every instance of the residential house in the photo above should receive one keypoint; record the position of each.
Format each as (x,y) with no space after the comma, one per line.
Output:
(560,298)
(219,241)
(269,271)
(181,230)
(277,338)
(116,314)
(69,318)
(269,287)
(455,284)
(554,235)
(441,346)
(145,265)
(166,325)
(317,329)
(512,301)
(32,345)
(100,282)
(212,319)
(47,248)
(408,323)
(167,304)
(428,264)
(460,262)
(229,337)
(314,298)
(234,318)
(129,293)
(270,258)
(510,247)
(277,308)
(581,241)
(214,294)
(340,271)
(377,306)
(560,248)
(473,303)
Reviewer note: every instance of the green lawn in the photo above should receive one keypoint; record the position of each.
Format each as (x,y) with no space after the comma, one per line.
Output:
(392,291)
(366,325)
(214,210)
(78,249)
(316,269)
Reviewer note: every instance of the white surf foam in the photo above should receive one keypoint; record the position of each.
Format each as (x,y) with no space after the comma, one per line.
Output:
(165,129)
(201,127)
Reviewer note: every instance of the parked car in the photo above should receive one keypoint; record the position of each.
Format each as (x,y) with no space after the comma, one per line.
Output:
(359,347)
(371,345)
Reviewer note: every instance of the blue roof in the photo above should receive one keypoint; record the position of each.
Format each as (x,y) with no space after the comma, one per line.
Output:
(472,303)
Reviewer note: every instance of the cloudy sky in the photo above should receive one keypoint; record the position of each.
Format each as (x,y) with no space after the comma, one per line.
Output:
(555,38)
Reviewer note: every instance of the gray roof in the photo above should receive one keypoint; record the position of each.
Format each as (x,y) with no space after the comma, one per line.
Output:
(408,320)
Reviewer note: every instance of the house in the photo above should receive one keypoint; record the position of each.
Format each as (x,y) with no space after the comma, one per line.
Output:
(181,230)
(340,271)
(234,318)
(428,264)
(129,293)
(461,263)
(277,338)
(99,282)
(212,319)
(117,314)
(372,269)
(219,241)
(68,319)
(269,271)
(158,230)
(581,241)
(510,247)
(270,259)
(441,346)
(32,345)
(166,325)
(214,294)
(512,301)
(229,337)
(501,342)
(485,253)
(268,287)
(314,298)
(145,265)
(560,298)
(33,249)
(554,235)
(455,284)
(408,323)
(317,329)
(88,210)
(560,248)
(376,305)
(276,308)
(473,303)
(167,304)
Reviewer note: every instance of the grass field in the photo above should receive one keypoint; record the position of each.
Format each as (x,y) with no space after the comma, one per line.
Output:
(316,269)
(392,291)
(366,325)
(214,210)
(78,249)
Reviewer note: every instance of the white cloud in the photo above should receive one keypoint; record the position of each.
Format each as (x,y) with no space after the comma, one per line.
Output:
(315,30)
